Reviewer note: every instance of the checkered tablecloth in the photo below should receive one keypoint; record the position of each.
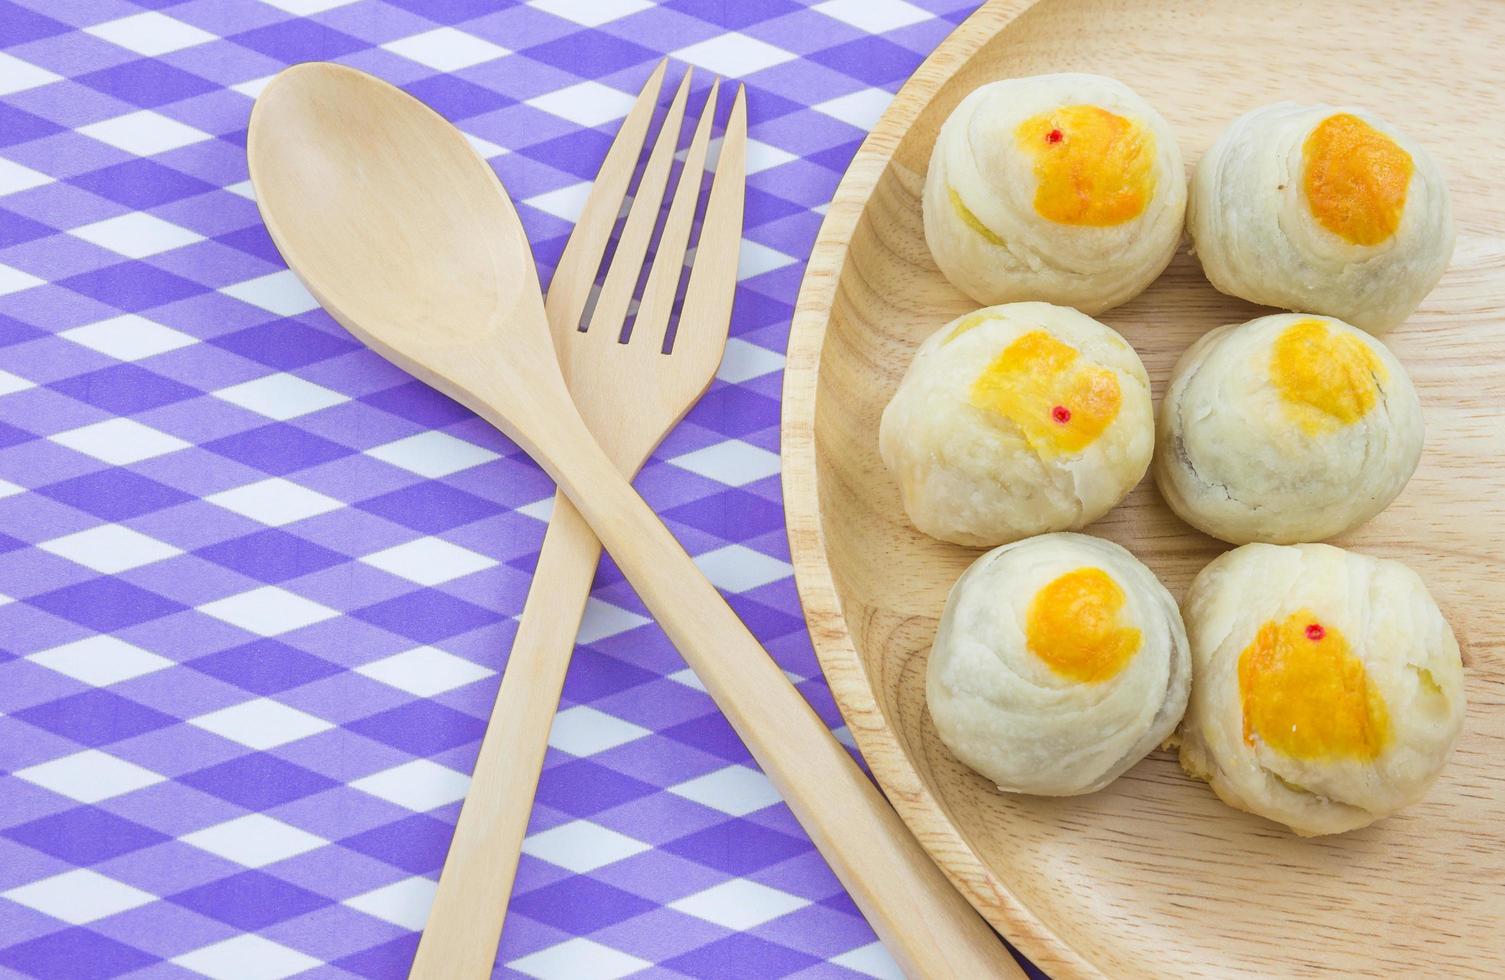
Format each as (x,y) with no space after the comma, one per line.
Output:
(257,585)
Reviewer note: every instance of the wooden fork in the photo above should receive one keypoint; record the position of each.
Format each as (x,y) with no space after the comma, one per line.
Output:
(630,394)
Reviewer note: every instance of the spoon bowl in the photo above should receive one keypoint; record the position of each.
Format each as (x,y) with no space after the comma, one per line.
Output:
(402,232)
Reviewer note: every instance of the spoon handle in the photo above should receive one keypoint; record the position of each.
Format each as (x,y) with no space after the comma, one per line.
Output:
(924,922)
(465,921)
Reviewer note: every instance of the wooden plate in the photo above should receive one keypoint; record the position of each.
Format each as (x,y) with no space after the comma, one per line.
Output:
(1154,876)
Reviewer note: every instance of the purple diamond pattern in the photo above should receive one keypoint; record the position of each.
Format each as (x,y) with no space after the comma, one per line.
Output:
(84,836)
(257,586)
(76,953)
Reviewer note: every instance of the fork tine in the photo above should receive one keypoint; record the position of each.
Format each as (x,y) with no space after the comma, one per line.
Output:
(706,315)
(627,262)
(658,293)
(576,271)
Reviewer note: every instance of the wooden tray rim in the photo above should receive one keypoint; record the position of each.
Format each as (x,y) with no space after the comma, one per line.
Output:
(832,639)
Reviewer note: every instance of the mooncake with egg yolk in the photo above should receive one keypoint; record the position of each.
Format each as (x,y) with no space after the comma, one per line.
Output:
(1064,188)
(1284,429)
(1328,688)
(1322,209)
(1060,662)
(1017,420)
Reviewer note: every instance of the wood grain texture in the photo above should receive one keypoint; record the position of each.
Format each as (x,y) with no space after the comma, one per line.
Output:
(1154,876)
(403,234)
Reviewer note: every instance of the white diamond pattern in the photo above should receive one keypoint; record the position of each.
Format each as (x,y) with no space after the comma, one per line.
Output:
(254,840)
(588,103)
(15,178)
(281,396)
(18,76)
(739,904)
(419,785)
(871,960)
(735,790)
(446,49)
(136,235)
(429,561)
(404,903)
(432,454)
(734,55)
(110,548)
(12,383)
(579,958)
(732,462)
(591,13)
(268,611)
(280,293)
(100,660)
(873,16)
(582,730)
(738,568)
(90,776)
(79,896)
(275,501)
(144,133)
(150,33)
(246,957)
(261,724)
(859,109)
(119,441)
(13,280)
(582,846)
(425,671)
(129,337)
(602,620)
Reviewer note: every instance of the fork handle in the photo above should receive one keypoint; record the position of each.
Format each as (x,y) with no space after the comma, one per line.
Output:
(924,922)
(465,921)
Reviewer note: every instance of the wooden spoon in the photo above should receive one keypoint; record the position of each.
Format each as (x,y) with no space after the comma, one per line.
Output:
(404,235)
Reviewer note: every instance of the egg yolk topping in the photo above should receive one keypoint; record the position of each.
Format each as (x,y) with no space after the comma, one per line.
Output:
(1356,179)
(1075,624)
(1327,379)
(1060,403)
(1306,695)
(1092,167)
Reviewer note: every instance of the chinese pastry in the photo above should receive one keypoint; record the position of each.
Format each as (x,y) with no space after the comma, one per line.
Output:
(1324,210)
(1016,420)
(1328,688)
(1286,428)
(1063,188)
(1060,662)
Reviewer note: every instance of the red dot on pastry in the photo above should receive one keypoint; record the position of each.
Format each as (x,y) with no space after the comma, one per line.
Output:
(1061,414)
(1315,632)
(1054,136)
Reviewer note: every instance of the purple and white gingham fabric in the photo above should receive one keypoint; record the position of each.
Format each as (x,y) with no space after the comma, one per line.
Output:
(257,585)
